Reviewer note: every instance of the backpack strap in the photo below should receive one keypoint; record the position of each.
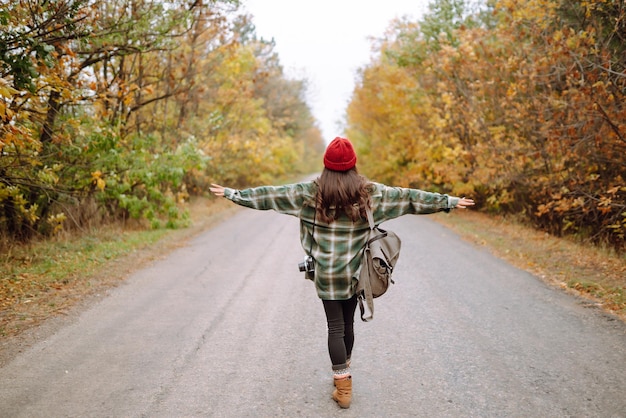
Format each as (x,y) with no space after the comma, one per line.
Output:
(366,293)
(370,217)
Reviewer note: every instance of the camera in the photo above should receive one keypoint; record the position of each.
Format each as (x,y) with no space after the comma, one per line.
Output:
(307,265)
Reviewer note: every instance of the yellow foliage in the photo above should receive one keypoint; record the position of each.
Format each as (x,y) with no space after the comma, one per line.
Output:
(539,11)
(6,91)
(97,180)
(6,94)
(56,221)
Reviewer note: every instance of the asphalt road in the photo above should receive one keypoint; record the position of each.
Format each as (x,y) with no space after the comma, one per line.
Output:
(227,327)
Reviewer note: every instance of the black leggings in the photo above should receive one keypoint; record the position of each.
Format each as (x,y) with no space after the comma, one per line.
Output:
(340,318)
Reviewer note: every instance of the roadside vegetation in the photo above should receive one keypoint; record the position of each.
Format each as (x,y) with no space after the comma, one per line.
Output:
(117,111)
(49,277)
(115,116)
(517,103)
(596,274)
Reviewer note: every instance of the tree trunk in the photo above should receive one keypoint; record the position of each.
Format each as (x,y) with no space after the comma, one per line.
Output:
(54,106)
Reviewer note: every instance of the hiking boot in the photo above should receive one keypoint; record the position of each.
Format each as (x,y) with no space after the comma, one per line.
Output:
(343,392)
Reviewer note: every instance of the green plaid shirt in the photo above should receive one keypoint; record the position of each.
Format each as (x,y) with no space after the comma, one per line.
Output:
(337,247)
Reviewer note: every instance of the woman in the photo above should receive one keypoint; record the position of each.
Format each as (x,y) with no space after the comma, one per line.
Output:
(333,230)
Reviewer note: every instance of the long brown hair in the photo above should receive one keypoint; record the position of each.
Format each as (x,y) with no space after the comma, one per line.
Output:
(342,192)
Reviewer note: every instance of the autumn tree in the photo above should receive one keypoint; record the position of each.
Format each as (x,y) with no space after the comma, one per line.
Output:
(114,109)
(524,104)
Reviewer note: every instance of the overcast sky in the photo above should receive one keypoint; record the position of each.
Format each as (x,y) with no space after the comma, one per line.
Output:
(326,41)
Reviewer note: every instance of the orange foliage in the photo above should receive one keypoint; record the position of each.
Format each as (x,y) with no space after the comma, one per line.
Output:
(525,114)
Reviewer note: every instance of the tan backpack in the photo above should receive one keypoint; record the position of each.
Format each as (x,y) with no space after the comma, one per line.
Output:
(380,255)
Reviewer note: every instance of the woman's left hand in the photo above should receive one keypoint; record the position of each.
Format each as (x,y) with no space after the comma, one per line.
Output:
(464,203)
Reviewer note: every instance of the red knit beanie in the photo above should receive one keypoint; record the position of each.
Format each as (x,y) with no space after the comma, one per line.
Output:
(339,155)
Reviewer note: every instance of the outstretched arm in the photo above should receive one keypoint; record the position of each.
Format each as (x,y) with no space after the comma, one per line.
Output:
(217,190)
(464,203)
(288,199)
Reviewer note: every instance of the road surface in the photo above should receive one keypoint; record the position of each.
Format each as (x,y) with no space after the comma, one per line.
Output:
(227,327)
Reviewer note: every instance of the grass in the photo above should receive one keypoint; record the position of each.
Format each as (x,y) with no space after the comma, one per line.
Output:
(45,277)
(48,278)
(595,273)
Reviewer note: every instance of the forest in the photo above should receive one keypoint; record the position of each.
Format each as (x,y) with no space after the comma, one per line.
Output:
(119,110)
(517,103)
